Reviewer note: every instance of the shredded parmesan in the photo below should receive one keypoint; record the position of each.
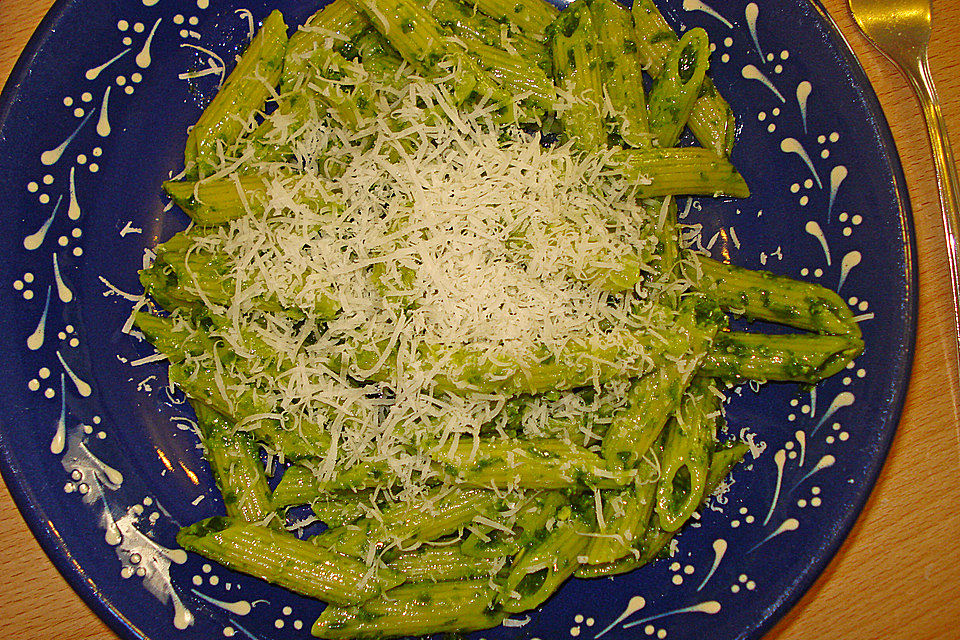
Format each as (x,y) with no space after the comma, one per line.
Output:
(452,247)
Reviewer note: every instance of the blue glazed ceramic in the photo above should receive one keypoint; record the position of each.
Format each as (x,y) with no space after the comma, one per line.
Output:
(94,118)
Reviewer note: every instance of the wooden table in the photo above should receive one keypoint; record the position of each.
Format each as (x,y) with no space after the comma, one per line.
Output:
(897,575)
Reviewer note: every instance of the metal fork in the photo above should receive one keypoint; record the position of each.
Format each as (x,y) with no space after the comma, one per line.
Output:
(900,29)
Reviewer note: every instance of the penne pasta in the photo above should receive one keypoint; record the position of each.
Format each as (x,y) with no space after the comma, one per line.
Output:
(435,273)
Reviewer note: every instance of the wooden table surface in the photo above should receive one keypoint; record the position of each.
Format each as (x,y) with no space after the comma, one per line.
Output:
(897,575)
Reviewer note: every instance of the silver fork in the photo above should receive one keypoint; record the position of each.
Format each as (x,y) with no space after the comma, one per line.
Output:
(900,29)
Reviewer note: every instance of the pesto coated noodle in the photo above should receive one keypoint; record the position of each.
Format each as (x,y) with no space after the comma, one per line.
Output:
(434,271)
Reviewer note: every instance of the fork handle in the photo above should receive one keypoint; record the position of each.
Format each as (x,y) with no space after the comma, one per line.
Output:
(947,181)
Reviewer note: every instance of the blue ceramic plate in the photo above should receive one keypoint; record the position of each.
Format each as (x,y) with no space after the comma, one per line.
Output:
(94,118)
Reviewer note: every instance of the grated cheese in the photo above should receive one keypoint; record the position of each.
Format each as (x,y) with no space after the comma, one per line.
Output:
(448,241)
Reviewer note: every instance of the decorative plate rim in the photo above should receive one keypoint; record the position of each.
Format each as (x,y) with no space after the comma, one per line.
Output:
(813,571)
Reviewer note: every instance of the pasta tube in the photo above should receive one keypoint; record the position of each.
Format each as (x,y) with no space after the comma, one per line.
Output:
(675,91)
(530,464)
(573,39)
(620,71)
(532,16)
(235,461)
(245,91)
(282,559)
(760,295)
(414,609)
(788,357)
(685,460)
